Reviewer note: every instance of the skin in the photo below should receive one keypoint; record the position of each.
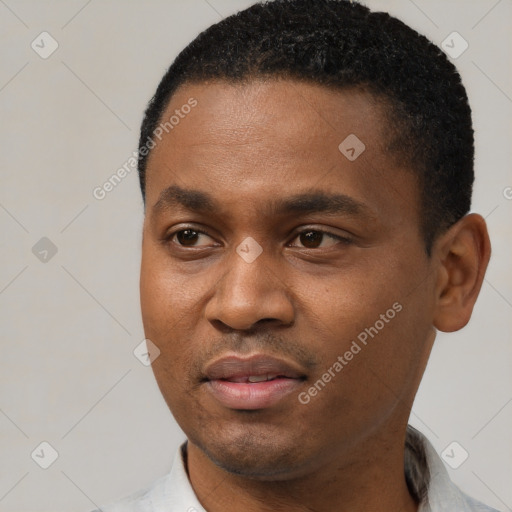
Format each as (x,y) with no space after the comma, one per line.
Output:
(305,299)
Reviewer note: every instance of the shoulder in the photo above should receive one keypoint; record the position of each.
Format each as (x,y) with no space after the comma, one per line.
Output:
(140,501)
(443,494)
(473,505)
(167,494)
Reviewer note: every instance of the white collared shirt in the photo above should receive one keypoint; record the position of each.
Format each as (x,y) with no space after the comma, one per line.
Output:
(174,493)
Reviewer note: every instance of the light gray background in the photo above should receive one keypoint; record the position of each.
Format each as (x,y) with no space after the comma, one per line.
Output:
(69,326)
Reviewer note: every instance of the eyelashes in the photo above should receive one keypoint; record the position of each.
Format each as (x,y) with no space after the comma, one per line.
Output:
(341,239)
(190,234)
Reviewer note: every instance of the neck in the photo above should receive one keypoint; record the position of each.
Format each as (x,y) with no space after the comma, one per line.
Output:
(367,478)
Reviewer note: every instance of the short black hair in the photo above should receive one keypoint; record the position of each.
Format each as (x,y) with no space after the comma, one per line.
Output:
(342,44)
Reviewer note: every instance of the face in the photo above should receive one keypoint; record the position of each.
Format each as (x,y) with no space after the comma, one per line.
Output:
(284,277)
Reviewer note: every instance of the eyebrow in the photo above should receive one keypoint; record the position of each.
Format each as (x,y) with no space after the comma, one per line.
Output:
(310,202)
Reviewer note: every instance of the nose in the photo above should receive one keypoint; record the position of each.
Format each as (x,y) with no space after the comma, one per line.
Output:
(249,293)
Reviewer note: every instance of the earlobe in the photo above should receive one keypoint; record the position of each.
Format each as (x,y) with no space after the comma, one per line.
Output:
(463,254)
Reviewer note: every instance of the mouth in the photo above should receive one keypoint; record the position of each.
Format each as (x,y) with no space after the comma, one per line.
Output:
(251,383)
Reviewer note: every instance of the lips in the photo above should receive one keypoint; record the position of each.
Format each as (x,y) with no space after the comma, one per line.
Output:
(255,378)
(254,382)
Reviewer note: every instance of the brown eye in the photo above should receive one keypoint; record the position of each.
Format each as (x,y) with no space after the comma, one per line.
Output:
(187,237)
(312,239)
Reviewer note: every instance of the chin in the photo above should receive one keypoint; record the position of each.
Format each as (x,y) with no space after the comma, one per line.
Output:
(254,455)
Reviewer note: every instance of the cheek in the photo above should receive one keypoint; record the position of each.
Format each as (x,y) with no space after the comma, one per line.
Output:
(378,328)
(349,304)
(163,308)
(155,299)
(165,294)
(171,303)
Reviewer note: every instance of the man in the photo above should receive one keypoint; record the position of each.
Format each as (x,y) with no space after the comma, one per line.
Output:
(307,169)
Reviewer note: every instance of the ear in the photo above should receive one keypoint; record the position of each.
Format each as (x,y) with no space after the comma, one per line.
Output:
(463,254)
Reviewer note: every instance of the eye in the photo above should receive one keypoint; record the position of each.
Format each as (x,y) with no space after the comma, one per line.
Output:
(313,238)
(186,237)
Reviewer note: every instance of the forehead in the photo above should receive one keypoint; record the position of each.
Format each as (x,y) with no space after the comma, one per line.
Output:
(271,138)
(275,110)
